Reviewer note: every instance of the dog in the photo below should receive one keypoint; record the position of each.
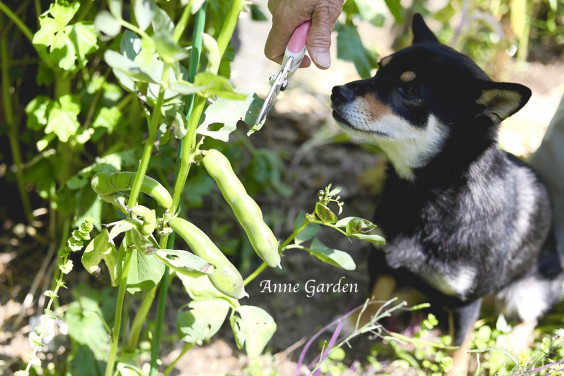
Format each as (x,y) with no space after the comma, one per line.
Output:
(462,219)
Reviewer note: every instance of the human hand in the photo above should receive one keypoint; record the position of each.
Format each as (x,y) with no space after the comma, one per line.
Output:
(289,14)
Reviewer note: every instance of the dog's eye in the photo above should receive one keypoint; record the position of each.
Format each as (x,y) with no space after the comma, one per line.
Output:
(409,91)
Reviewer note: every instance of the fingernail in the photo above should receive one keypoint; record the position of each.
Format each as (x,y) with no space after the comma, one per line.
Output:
(323,59)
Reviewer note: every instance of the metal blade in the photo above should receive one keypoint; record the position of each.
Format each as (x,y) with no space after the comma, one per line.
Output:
(279,84)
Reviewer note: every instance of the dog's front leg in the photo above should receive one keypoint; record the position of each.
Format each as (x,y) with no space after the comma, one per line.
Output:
(464,318)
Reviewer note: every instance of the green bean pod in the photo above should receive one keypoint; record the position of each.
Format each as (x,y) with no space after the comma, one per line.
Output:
(148,218)
(226,278)
(108,183)
(244,207)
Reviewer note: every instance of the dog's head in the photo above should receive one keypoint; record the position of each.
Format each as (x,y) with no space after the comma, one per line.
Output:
(421,97)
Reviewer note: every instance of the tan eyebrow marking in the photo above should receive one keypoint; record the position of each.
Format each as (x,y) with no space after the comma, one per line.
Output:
(407,76)
(385,61)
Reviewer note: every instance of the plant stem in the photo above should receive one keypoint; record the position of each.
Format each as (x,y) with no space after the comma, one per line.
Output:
(139,319)
(170,367)
(160,318)
(182,169)
(183,22)
(229,26)
(13,133)
(124,255)
(148,148)
(17,21)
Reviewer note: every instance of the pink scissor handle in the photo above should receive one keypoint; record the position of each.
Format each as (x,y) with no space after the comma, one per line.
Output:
(299,38)
(296,47)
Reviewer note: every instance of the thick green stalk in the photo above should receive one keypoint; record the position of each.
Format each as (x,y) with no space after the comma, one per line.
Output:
(170,367)
(139,319)
(13,133)
(148,148)
(229,26)
(119,304)
(17,21)
(182,164)
(183,22)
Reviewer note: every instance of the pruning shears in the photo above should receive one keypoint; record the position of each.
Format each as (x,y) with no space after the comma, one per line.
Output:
(293,56)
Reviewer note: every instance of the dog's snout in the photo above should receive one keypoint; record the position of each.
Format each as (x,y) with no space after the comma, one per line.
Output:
(342,94)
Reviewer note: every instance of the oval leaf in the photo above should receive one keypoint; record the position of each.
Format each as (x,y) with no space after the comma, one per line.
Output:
(144,12)
(259,327)
(375,239)
(184,262)
(107,24)
(201,319)
(331,256)
(325,214)
(145,272)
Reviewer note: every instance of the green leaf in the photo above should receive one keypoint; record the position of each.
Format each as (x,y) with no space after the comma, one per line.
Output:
(201,319)
(108,118)
(211,52)
(375,239)
(120,227)
(219,86)
(201,288)
(331,256)
(125,369)
(184,262)
(106,23)
(87,327)
(63,118)
(396,9)
(167,48)
(239,330)
(100,248)
(85,42)
(37,110)
(144,12)
(259,327)
(145,272)
(63,11)
(355,225)
(324,213)
(229,112)
(122,64)
(350,48)
(61,44)
(162,22)
(116,8)
(308,232)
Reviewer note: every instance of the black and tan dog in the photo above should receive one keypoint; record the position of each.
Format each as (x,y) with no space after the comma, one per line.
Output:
(463,219)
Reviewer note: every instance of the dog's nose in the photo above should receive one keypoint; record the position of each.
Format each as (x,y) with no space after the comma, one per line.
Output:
(341,95)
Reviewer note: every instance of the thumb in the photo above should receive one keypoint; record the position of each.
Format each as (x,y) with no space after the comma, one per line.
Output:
(323,20)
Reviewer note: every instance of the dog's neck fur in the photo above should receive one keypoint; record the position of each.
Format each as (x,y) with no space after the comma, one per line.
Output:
(424,159)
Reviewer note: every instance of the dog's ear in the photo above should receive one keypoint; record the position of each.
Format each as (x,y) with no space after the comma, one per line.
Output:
(502,99)
(421,32)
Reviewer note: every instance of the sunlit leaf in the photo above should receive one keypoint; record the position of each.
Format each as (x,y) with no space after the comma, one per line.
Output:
(350,48)
(331,256)
(222,116)
(107,24)
(259,327)
(201,319)
(184,262)
(144,12)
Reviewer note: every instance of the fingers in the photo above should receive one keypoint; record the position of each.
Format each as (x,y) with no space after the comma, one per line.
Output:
(323,22)
(286,16)
(289,14)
